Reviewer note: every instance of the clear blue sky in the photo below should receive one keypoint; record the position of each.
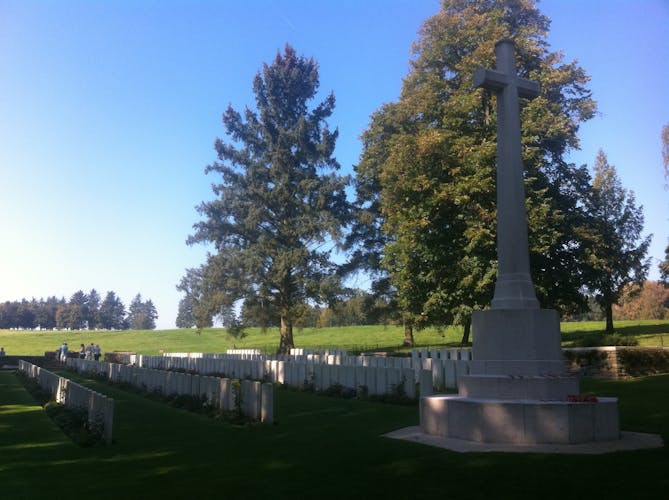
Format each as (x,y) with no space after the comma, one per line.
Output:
(109,111)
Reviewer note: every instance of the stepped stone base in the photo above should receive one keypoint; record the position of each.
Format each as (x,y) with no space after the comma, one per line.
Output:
(518,421)
(516,392)
(518,387)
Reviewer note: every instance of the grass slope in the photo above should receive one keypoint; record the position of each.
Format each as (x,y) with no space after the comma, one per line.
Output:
(320,448)
(354,338)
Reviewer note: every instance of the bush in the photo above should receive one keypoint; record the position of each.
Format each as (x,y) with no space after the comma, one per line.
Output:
(187,402)
(340,391)
(640,362)
(72,421)
(605,340)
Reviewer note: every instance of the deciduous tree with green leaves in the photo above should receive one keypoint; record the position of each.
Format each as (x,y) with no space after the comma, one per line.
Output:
(427,171)
(617,256)
(280,206)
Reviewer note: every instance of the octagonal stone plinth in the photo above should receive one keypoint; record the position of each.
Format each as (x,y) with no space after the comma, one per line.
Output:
(519,421)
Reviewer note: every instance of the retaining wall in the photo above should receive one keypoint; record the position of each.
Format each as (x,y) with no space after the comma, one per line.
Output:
(616,361)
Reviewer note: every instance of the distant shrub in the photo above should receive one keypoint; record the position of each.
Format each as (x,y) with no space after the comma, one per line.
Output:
(196,403)
(605,340)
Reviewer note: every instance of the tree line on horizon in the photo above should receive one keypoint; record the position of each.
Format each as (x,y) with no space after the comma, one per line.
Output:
(422,225)
(81,312)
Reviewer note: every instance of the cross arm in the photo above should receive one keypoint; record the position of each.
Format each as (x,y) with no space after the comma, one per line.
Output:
(496,81)
(490,79)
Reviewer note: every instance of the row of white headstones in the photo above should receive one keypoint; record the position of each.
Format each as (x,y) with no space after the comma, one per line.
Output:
(100,408)
(254,399)
(376,375)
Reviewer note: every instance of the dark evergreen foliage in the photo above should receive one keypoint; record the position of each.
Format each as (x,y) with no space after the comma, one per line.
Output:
(82,312)
(280,207)
(142,315)
(616,252)
(185,317)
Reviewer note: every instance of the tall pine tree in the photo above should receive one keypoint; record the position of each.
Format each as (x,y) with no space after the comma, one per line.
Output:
(142,315)
(617,255)
(280,205)
(112,313)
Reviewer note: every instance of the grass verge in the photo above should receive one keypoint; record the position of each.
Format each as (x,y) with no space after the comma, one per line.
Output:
(354,338)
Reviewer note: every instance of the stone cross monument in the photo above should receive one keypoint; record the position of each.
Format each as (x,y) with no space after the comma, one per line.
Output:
(517,390)
(514,288)
(515,337)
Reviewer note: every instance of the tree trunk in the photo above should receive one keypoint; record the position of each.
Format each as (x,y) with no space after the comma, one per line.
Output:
(467,329)
(408,335)
(286,342)
(609,318)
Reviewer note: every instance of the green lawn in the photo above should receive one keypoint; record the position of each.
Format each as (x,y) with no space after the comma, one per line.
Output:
(647,332)
(354,338)
(320,448)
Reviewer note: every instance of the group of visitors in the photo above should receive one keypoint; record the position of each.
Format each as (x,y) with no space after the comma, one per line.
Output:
(90,352)
(85,352)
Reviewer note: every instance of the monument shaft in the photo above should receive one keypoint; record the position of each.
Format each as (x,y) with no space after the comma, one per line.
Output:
(514,288)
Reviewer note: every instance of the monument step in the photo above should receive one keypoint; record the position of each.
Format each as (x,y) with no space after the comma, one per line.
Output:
(518,387)
(519,421)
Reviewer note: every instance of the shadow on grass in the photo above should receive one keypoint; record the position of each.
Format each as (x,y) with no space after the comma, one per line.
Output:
(643,401)
(630,330)
(321,448)
(626,334)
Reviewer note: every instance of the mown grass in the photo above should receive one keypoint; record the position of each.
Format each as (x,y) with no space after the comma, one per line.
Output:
(320,448)
(352,338)
(646,332)
(368,338)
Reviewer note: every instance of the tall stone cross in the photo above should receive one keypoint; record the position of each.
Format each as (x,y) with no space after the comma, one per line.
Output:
(514,288)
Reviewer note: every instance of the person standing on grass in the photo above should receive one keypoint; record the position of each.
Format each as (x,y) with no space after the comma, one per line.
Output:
(89,351)
(63,352)
(96,352)
(82,352)
(2,351)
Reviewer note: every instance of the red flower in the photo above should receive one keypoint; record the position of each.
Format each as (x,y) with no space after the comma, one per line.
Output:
(581,398)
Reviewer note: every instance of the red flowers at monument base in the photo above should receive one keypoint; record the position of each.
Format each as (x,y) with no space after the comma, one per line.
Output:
(581,398)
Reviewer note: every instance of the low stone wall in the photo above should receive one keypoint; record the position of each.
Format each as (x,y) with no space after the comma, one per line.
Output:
(12,362)
(616,361)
